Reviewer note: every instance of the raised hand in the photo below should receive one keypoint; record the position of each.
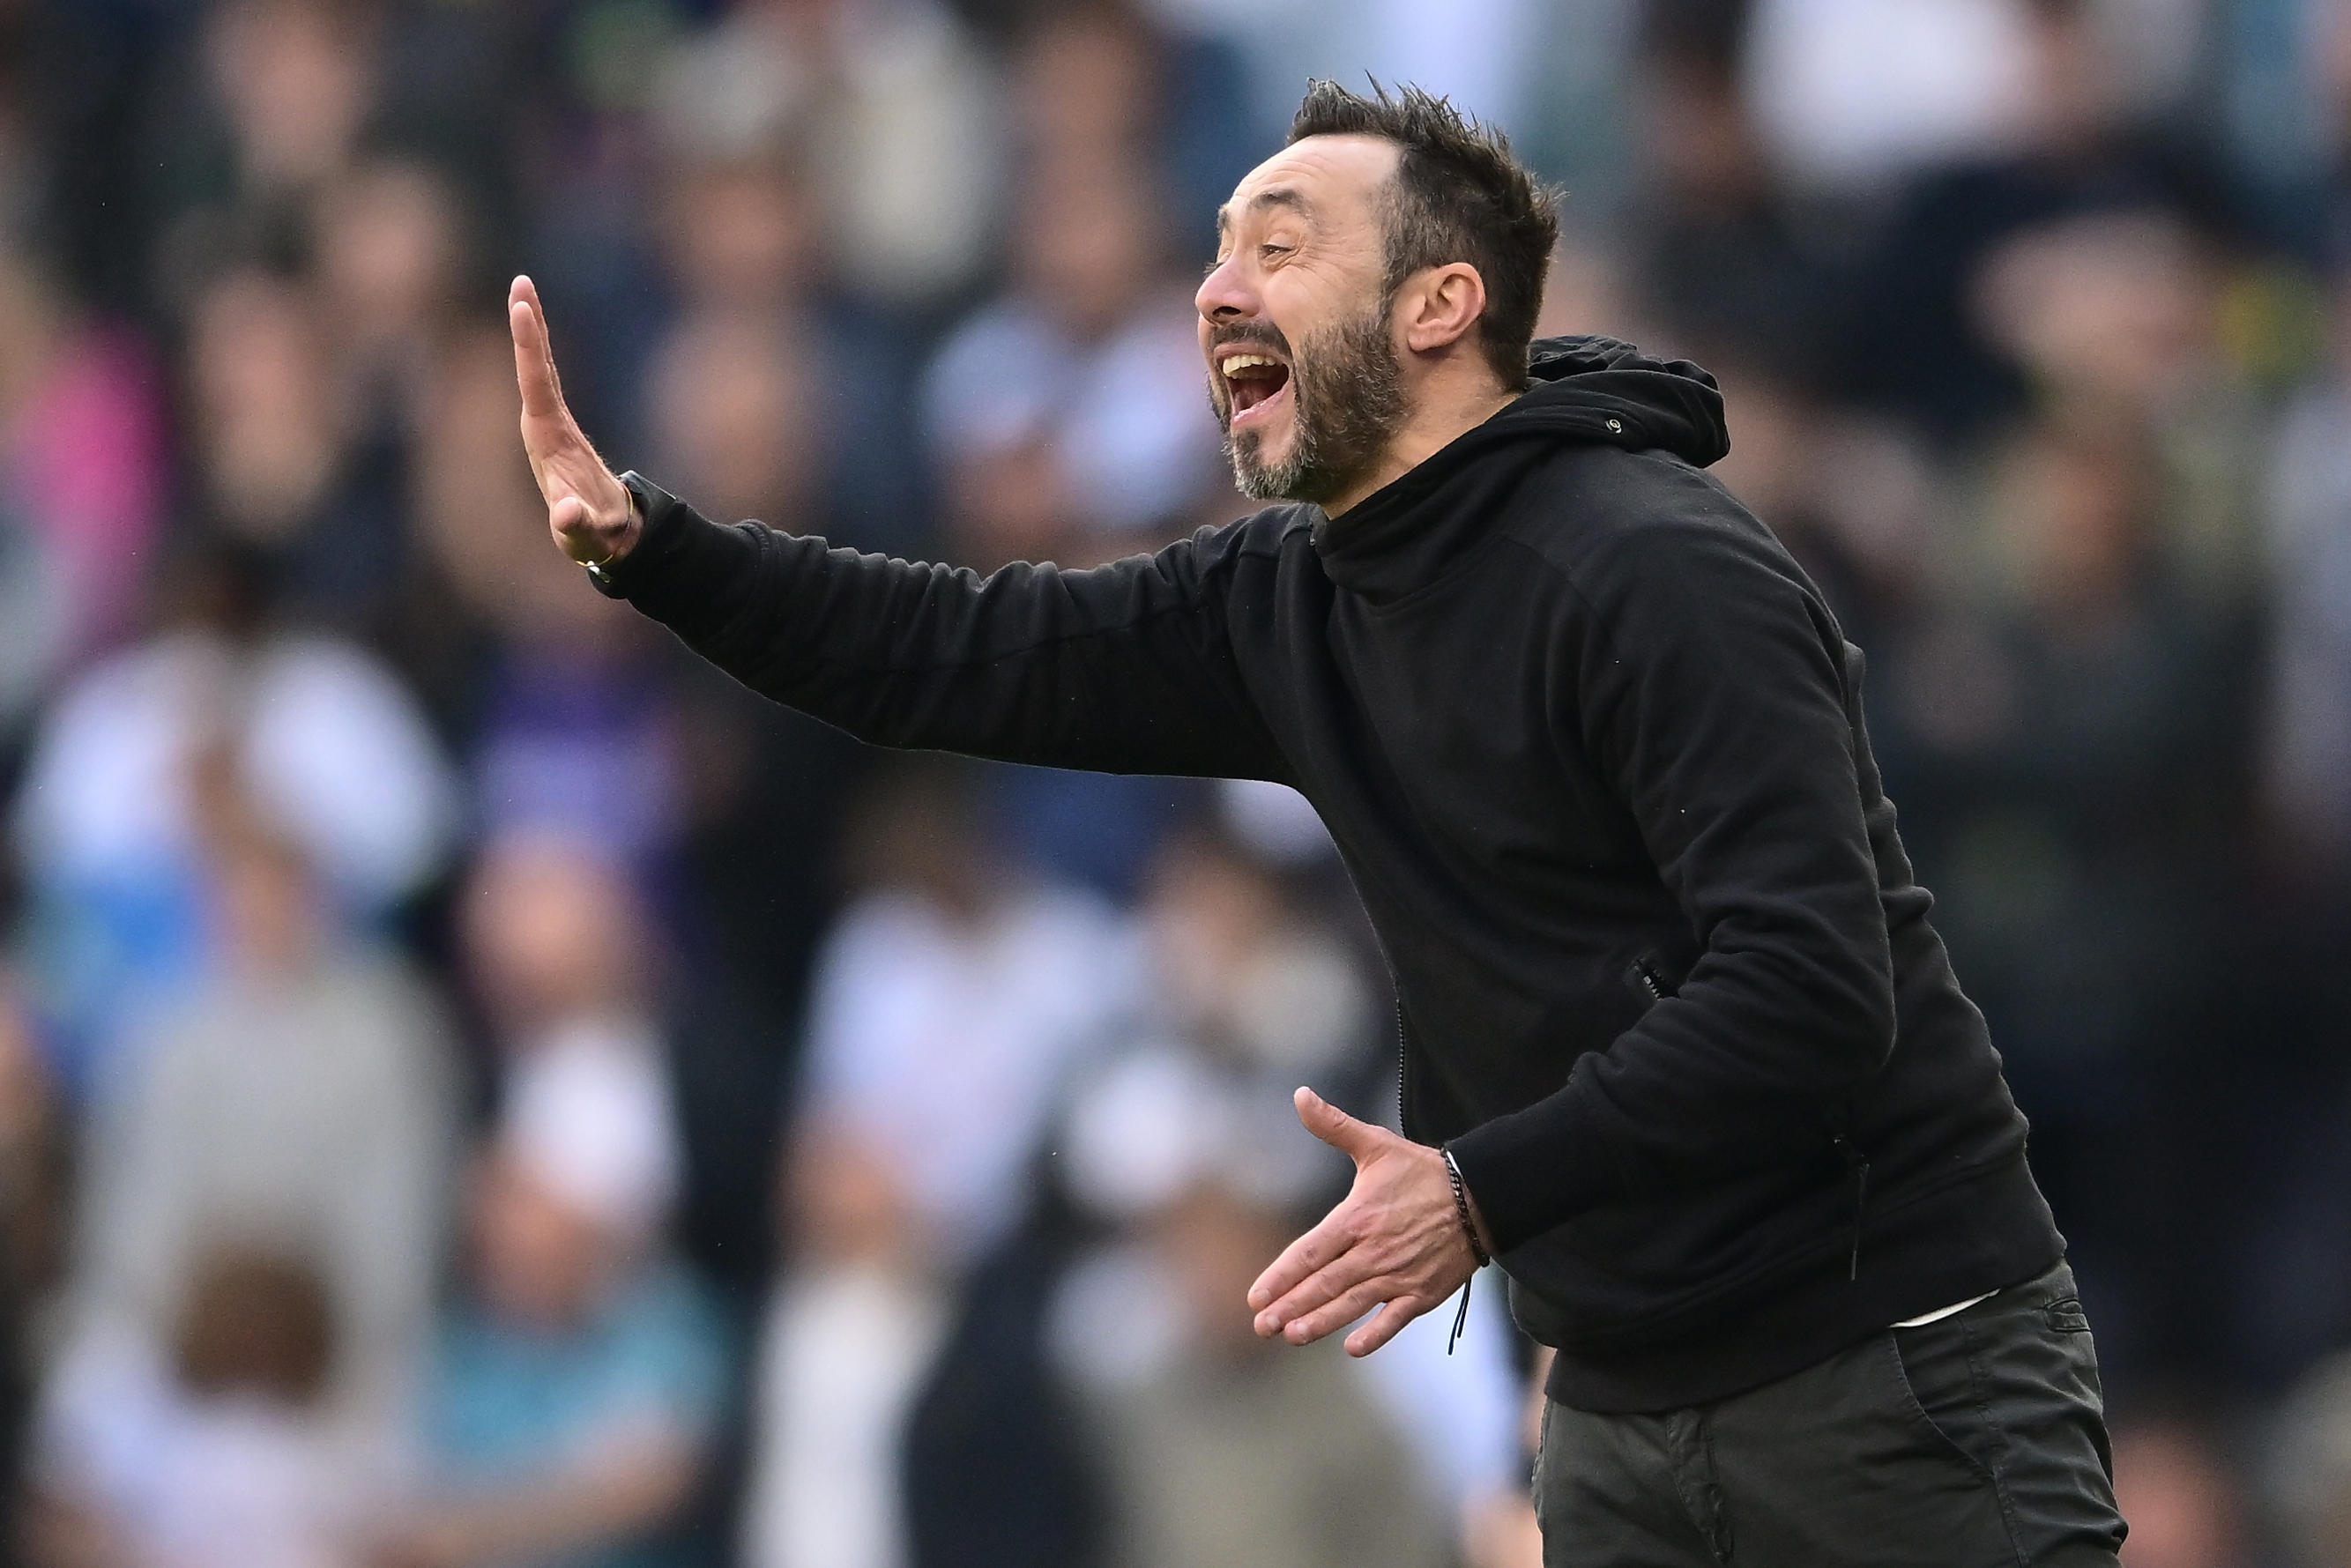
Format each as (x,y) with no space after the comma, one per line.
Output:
(587,510)
(1395,1242)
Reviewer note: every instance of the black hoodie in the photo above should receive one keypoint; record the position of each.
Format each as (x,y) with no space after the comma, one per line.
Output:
(1591,748)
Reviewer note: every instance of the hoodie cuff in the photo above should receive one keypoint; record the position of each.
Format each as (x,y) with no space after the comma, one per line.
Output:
(657,509)
(1535,1169)
(686,571)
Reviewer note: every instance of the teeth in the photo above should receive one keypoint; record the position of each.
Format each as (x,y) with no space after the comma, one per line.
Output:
(1245,361)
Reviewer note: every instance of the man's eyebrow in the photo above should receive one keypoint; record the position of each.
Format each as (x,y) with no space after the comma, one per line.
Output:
(1279,196)
(1282,196)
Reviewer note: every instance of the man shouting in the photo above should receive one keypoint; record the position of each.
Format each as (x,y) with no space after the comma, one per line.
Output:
(1680,1049)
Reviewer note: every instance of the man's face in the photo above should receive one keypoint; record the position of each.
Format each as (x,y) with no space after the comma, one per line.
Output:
(1303,369)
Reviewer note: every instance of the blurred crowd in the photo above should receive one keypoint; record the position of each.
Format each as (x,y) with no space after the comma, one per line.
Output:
(478,1090)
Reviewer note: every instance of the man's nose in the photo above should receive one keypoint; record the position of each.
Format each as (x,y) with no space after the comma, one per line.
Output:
(1225,296)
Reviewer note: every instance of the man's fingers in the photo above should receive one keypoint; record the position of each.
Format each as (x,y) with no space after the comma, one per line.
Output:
(1358,1141)
(1336,1312)
(534,369)
(586,506)
(1390,1322)
(1316,1291)
(526,294)
(1299,1260)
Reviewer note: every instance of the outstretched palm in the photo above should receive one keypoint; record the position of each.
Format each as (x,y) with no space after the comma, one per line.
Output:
(587,509)
(1396,1243)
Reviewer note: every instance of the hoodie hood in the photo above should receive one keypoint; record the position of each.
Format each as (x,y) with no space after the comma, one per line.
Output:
(1598,388)
(1586,391)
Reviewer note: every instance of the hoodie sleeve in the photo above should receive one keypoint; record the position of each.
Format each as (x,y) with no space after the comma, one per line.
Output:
(1711,690)
(1123,668)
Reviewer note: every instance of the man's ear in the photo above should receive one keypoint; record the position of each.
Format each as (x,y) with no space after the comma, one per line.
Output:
(1441,306)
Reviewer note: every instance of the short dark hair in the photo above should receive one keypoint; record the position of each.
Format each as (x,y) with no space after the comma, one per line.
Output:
(1460,195)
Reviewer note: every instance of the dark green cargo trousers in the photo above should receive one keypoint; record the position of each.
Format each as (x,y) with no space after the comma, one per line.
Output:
(1975,1441)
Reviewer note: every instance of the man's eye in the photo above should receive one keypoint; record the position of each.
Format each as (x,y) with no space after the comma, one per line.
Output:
(1270,249)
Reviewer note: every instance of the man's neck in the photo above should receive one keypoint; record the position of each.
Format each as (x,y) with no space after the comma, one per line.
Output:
(1437,425)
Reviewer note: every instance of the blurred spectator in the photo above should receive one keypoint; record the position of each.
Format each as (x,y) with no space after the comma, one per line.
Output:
(2072,773)
(898,109)
(574,733)
(561,953)
(1225,1449)
(243,146)
(1274,823)
(566,701)
(209,1447)
(721,809)
(2114,317)
(736,406)
(278,468)
(1721,259)
(1068,423)
(1251,998)
(393,252)
(951,1001)
(1915,347)
(741,225)
(1067,418)
(1855,94)
(479,530)
(849,1334)
(82,482)
(1141,84)
(949,1006)
(1245,977)
(581,1376)
(299,1099)
(775,388)
(324,740)
(1855,500)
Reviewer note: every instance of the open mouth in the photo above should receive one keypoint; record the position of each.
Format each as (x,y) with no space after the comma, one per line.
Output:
(1255,383)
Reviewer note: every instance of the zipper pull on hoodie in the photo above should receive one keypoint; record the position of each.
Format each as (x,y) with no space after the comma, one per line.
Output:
(1859,1165)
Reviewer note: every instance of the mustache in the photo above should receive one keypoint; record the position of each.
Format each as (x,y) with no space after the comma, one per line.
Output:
(1257,335)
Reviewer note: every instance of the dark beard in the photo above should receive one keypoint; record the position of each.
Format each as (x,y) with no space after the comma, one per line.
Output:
(1346,392)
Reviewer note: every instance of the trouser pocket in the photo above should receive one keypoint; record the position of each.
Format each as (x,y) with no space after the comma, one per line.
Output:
(2012,1385)
(1976,1441)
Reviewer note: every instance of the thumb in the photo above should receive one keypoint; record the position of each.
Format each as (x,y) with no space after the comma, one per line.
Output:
(1358,1141)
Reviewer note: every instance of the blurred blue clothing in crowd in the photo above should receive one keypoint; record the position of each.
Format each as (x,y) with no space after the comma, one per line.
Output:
(509,1406)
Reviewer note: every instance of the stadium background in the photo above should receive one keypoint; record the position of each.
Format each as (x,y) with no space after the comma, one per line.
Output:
(477,1088)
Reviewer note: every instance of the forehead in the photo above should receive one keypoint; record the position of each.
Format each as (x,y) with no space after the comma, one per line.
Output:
(1334,179)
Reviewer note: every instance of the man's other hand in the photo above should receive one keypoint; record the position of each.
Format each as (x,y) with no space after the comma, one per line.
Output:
(587,510)
(1395,1242)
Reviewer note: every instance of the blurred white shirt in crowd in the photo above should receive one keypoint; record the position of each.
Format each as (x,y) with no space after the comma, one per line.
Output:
(1852,93)
(329,742)
(589,1102)
(945,1043)
(183,1482)
(841,1357)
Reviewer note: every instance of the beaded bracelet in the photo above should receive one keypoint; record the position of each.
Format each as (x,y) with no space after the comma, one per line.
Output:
(1477,1247)
(1462,1206)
